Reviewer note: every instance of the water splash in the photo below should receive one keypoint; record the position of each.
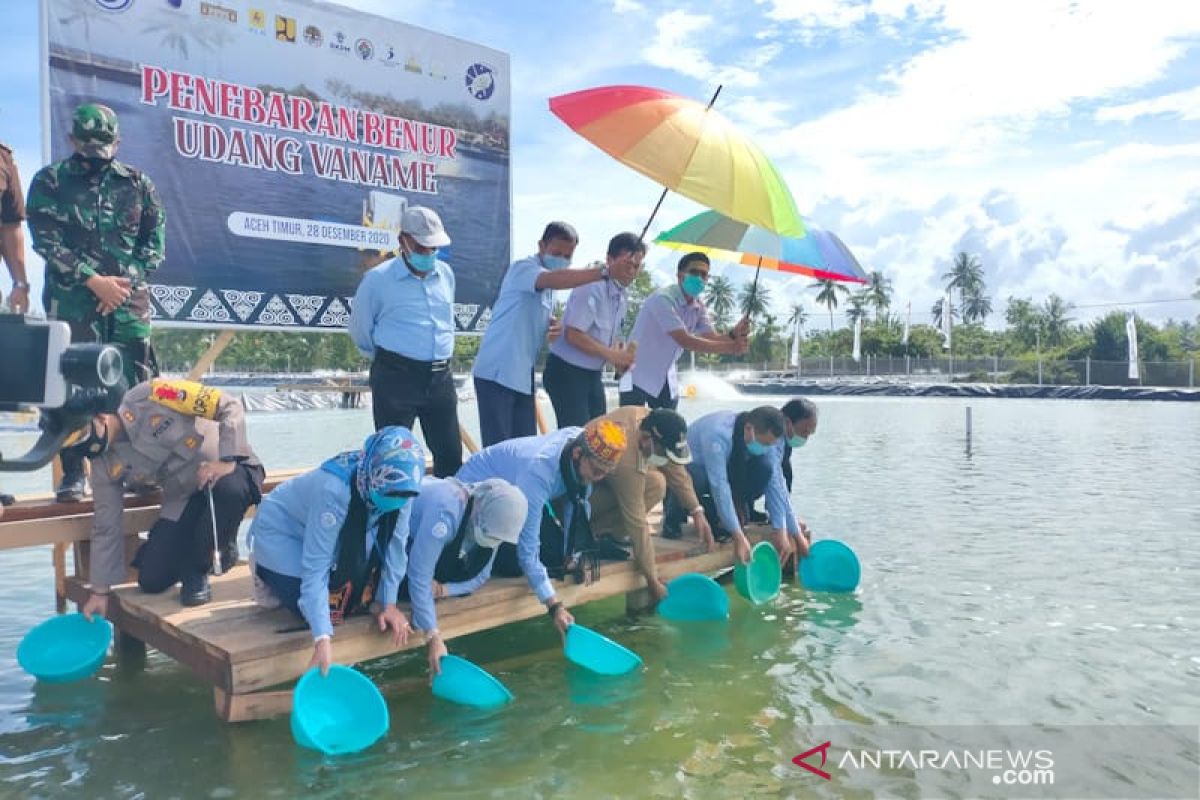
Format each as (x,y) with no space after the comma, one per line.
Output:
(706,386)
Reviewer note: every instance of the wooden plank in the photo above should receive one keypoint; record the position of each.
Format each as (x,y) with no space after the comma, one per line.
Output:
(210,355)
(254,706)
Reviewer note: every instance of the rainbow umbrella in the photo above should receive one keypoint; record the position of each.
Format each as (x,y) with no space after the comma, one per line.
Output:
(685,146)
(818,253)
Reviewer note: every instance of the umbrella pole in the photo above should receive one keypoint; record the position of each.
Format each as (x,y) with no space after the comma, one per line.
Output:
(754,286)
(663,196)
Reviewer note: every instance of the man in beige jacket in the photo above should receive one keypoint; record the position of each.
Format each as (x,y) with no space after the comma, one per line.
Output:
(655,459)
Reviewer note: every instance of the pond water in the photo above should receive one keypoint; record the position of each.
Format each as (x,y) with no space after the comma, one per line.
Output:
(1049,576)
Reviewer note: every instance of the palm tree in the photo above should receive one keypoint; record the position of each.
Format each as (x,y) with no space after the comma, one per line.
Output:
(753,300)
(879,292)
(966,275)
(1054,319)
(856,307)
(937,312)
(828,297)
(799,316)
(976,306)
(719,299)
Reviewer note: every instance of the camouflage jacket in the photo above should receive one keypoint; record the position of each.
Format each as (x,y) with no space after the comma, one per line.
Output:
(85,223)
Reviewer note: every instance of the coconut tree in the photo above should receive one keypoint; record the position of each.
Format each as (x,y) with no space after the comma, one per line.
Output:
(937,312)
(976,306)
(828,293)
(798,316)
(753,300)
(719,299)
(966,275)
(1055,322)
(879,292)
(856,306)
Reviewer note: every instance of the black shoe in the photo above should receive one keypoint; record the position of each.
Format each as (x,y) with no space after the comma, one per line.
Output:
(757,517)
(672,530)
(195,590)
(72,488)
(7,499)
(229,556)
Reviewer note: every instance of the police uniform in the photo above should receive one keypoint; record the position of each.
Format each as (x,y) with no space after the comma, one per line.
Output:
(168,428)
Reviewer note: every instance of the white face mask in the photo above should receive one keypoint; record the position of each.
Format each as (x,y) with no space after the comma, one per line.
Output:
(655,460)
(483,540)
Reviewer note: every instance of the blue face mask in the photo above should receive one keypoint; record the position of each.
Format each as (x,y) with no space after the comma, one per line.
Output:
(387,504)
(422,262)
(796,442)
(693,286)
(555,262)
(755,448)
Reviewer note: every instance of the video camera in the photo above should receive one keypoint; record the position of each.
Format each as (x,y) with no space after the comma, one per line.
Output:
(67,383)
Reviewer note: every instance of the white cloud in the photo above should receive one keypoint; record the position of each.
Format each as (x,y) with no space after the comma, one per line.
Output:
(674,48)
(627,7)
(1184,105)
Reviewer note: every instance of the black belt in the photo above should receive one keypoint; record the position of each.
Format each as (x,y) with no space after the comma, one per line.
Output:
(397,361)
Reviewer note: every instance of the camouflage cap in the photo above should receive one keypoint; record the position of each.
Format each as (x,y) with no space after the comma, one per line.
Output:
(95,130)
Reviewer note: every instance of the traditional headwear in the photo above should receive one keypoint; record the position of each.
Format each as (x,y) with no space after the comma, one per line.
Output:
(604,440)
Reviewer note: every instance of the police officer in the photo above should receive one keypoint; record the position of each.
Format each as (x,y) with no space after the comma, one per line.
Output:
(188,439)
(100,227)
(456,530)
(12,236)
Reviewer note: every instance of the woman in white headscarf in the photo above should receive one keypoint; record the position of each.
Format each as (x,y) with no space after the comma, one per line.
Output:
(455,530)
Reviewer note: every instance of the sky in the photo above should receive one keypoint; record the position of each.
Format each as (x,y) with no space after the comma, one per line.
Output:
(1059,142)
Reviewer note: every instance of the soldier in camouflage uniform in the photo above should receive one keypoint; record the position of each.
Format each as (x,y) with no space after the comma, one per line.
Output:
(100,227)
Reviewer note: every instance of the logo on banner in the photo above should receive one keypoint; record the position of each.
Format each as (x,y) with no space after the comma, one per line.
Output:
(285,29)
(338,43)
(258,21)
(365,50)
(218,12)
(116,6)
(388,59)
(481,81)
(312,35)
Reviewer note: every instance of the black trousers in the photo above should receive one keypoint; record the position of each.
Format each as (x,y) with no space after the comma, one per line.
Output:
(184,547)
(576,393)
(504,413)
(639,397)
(404,391)
(758,475)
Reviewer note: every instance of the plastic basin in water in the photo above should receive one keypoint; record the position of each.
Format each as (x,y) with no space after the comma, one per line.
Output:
(462,682)
(694,597)
(65,648)
(758,580)
(342,712)
(598,653)
(831,566)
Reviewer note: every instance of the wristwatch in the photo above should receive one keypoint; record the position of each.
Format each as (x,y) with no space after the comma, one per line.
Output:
(20,284)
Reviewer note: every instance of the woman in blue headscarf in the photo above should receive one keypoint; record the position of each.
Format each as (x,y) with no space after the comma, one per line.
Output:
(326,542)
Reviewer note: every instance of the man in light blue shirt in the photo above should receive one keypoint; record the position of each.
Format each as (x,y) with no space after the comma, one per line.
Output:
(591,326)
(403,320)
(735,458)
(504,365)
(558,465)
(456,529)
(672,320)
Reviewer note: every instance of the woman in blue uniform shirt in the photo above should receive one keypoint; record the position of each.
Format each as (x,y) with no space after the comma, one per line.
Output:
(327,542)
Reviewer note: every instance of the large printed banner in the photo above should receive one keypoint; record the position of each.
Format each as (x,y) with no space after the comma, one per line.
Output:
(286,138)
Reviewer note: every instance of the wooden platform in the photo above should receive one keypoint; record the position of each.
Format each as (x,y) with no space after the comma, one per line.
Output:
(243,650)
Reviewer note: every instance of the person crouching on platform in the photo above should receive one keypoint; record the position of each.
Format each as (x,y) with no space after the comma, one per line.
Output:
(591,326)
(736,458)
(403,321)
(326,543)
(555,473)
(455,531)
(190,440)
(621,502)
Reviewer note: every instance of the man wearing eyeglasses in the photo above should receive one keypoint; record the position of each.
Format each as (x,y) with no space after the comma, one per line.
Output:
(672,320)
(591,328)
